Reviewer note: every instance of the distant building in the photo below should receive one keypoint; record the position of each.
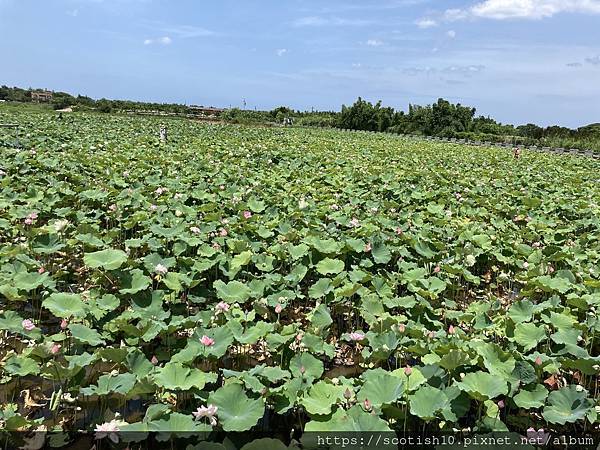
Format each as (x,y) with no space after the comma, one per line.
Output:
(205,110)
(41,96)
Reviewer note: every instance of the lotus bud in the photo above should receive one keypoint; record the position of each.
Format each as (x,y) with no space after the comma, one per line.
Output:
(501,404)
(64,324)
(538,361)
(462,375)
(154,360)
(278,308)
(408,370)
(451,329)
(401,328)
(302,370)
(347,394)
(367,404)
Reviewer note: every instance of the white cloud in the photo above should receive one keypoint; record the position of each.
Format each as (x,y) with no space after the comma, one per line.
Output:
(320,21)
(451,34)
(426,23)
(523,9)
(281,51)
(374,43)
(594,60)
(73,13)
(187,31)
(165,40)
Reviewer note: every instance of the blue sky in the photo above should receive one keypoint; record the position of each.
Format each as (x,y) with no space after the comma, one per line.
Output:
(516,60)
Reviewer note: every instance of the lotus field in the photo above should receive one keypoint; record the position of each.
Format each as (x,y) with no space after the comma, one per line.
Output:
(241,283)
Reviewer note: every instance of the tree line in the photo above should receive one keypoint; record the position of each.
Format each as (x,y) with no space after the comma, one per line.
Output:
(443,119)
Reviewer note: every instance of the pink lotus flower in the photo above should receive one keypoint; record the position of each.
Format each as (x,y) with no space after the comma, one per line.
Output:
(367,404)
(401,328)
(112,207)
(399,231)
(525,265)
(431,335)
(206,341)
(437,269)
(108,429)
(160,269)
(64,324)
(299,336)
(222,307)
(27,325)
(302,370)
(154,360)
(278,308)
(368,247)
(247,214)
(354,222)
(159,191)
(356,336)
(28,221)
(55,349)
(153,207)
(550,269)
(223,232)
(501,404)
(451,329)
(195,230)
(216,246)
(209,411)
(41,270)
(33,215)
(538,361)
(407,371)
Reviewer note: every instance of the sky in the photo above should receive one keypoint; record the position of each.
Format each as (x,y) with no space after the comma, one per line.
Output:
(518,61)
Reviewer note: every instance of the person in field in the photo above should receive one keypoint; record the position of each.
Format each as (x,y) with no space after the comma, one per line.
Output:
(517,152)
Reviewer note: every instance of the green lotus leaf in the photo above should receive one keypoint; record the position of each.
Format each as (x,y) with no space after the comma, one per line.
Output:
(528,399)
(321,397)
(86,334)
(330,266)
(529,335)
(306,365)
(380,388)
(427,402)
(567,405)
(65,305)
(110,259)
(320,288)
(234,291)
(28,281)
(21,366)
(381,254)
(134,281)
(483,386)
(236,411)
(112,384)
(521,311)
(175,377)
(179,425)
(320,318)
(354,419)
